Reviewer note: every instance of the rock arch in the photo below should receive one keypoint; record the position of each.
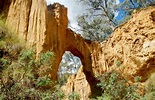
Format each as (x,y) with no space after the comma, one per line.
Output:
(83,82)
(46,28)
(79,47)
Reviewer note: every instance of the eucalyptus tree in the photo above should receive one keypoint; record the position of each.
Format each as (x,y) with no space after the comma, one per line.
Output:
(99,19)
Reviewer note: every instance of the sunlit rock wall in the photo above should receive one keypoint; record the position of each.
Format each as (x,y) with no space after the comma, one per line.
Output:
(132,45)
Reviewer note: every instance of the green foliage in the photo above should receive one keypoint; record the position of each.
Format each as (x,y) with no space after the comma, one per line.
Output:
(43,81)
(98,21)
(60,94)
(2,20)
(118,63)
(115,87)
(63,79)
(22,79)
(137,79)
(135,4)
(45,58)
(150,94)
(150,88)
(74,96)
(10,44)
(4,62)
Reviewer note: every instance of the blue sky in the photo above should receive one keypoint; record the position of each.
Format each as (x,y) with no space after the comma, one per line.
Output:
(119,17)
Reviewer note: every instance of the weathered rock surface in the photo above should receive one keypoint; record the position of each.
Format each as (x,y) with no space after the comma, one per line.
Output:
(77,84)
(39,27)
(132,44)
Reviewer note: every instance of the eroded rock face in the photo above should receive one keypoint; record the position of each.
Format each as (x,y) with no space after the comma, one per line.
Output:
(77,84)
(132,44)
(45,28)
(39,27)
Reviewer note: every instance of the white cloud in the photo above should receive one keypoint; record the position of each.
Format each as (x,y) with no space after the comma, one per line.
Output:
(117,12)
(117,1)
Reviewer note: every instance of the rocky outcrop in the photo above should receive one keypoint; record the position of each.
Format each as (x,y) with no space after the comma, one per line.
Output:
(28,19)
(130,48)
(132,45)
(77,84)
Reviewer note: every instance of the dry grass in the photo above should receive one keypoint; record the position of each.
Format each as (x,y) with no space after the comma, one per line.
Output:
(9,41)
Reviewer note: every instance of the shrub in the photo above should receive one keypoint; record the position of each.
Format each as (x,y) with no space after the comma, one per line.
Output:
(74,96)
(115,87)
(21,79)
(10,44)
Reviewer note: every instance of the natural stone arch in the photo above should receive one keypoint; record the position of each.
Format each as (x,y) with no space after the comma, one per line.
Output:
(83,49)
(53,34)
(82,76)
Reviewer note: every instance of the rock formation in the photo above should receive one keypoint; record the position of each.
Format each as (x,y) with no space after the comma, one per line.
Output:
(78,84)
(132,44)
(45,28)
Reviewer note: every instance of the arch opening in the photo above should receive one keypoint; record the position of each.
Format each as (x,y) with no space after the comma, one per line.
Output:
(69,65)
(73,65)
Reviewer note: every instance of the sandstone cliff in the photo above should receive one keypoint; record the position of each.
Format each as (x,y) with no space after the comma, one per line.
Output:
(45,28)
(132,44)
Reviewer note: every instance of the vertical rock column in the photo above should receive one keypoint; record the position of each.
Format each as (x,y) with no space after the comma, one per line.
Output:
(29,20)
(37,25)
(18,17)
(59,37)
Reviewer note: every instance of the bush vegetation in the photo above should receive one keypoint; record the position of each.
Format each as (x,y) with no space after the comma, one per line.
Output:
(22,76)
(74,96)
(10,45)
(101,17)
(25,78)
(115,87)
